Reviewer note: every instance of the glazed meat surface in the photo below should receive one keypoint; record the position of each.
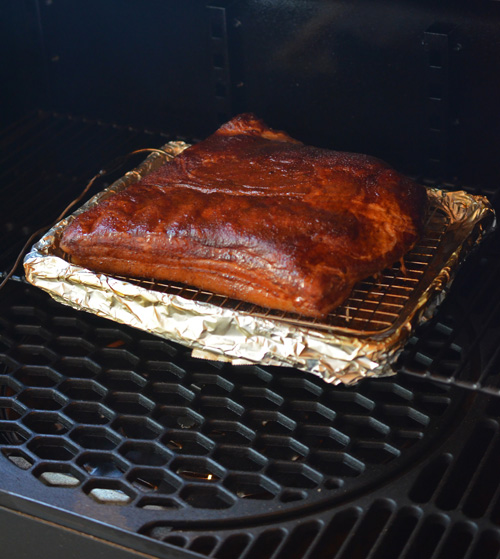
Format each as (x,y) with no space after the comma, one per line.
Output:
(255,215)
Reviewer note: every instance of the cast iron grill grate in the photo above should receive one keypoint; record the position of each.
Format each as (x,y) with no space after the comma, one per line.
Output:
(137,419)
(478,306)
(204,455)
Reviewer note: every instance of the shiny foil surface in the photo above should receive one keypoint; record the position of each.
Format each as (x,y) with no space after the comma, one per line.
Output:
(339,353)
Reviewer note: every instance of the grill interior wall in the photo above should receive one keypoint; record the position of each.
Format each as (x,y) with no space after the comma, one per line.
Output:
(415,86)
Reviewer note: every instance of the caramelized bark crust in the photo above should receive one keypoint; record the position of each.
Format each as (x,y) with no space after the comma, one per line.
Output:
(253,214)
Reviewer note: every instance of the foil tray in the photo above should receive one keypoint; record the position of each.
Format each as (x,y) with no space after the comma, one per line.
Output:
(362,338)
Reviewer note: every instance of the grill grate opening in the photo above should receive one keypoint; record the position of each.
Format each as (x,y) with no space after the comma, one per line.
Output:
(234,546)
(495,511)
(458,541)
(154,480)
(429,479)
(204,545)
(89,413)
(252,486)
(18,458)
(299,541)
(13,434)
(469,313)
(10,410)
(485,486)
(102,464)
(45,423)
(43,377)
(144,453)
(266,544)
(205,497)
(82,390)
(337,534)
(428,537)
(466,465)
(188,443)
(176,540)
(97,438)
(52,448)
(42,399)
(371,525)
(487,545)
(397,533)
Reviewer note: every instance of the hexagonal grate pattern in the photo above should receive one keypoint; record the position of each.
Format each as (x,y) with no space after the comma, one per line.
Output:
(131,420)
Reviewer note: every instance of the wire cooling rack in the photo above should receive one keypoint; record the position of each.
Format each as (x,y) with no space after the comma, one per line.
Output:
(376,305)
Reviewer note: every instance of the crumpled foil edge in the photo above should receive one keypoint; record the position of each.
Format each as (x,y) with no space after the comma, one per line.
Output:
(225,334)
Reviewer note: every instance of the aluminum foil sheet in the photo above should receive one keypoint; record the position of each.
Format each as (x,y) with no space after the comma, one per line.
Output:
(339,353)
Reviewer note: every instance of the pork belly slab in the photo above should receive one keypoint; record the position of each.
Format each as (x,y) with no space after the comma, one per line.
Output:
(258,216)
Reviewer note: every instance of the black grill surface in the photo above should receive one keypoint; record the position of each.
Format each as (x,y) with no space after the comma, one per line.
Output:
(104,426)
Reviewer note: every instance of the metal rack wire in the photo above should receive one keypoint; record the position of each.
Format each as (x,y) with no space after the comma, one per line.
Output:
(376,305)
